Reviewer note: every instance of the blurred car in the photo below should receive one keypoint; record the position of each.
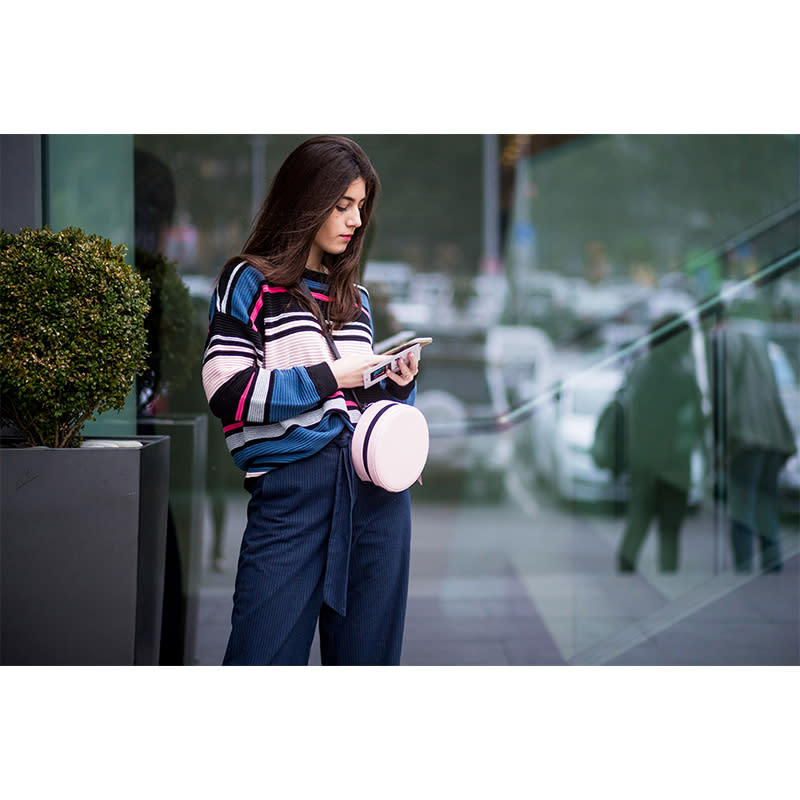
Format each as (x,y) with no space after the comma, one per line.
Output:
(467,379)
(545,300)
(395,276)
(429,300)
(789,388)
(486,298)
(517,359)
(563,433)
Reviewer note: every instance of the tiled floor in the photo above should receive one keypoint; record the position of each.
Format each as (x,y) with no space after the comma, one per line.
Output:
(525,594)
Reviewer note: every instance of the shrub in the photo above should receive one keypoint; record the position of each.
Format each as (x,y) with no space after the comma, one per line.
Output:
(72,333)
(172,338)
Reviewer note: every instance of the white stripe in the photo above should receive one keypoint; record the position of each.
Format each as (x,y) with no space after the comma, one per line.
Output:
(259,398)
(277,429)
(221,305)
(291,316)
(217,372)
(237,345)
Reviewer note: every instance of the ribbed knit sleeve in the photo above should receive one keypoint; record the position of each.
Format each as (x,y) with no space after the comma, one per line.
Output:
(387,388)
(237,385)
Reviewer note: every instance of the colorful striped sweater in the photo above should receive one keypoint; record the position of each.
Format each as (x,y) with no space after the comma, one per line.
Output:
(266,370)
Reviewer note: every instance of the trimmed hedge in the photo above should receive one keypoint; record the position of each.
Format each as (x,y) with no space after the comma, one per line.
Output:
(72,331)
(172,338)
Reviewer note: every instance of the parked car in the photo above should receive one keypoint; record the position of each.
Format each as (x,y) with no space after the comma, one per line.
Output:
(459,397)
(789,387)
(563,432)
(429,300)
(518,357)
(486,298)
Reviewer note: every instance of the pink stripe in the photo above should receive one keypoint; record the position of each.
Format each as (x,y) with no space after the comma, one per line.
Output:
(256,309)
(274,289)
(235,427)
(240,410)
(320,296)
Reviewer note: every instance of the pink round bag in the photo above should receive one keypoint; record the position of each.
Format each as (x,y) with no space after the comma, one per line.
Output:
(390,445)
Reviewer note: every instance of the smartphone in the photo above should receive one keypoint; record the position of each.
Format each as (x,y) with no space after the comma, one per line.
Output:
(393,355)
(405,345)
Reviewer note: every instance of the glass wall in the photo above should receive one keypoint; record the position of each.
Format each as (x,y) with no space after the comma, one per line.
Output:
(89,185)
(653,276)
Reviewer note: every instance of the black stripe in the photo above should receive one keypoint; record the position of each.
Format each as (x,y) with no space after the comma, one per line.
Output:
(368,434)
(226,325)
(269,439)
(237,353)
(274,337)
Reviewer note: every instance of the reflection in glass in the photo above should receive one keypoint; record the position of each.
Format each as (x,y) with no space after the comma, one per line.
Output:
(760,439)
(517,529)
(664,425)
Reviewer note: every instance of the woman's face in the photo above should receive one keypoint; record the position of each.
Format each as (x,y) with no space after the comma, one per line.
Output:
(337,231)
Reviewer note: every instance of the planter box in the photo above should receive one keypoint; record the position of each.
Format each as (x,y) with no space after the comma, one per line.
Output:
(82,548)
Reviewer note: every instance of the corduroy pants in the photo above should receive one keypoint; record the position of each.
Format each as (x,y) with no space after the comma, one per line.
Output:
(321,545)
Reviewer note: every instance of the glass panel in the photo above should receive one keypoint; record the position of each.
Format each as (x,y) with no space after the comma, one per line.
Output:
(195,199)
(613,234)
(517,530)
(89,185)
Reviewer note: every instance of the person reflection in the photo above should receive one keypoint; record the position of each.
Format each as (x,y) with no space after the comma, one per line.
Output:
(154,194)
(759,438)
(664,425)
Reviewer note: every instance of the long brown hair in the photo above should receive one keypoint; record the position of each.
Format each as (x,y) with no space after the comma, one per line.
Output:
(304,192)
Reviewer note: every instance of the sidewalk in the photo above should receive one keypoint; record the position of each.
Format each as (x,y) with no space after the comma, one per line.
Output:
(522,593)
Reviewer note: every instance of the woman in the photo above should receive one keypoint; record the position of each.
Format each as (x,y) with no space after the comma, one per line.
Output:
(319,545)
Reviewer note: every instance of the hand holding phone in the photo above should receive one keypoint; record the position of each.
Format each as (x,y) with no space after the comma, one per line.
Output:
(377,372)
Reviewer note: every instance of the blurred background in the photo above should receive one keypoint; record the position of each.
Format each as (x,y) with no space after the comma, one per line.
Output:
(549,270)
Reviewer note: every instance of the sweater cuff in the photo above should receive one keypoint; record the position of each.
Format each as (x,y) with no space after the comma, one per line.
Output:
(400,392)
(322,377)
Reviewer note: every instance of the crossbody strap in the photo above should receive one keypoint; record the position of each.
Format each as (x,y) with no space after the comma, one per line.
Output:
(334,349)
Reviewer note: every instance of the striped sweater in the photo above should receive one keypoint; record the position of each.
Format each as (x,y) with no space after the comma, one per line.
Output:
(266,370)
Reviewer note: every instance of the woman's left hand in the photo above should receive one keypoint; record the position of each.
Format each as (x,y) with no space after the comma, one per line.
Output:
(408,370)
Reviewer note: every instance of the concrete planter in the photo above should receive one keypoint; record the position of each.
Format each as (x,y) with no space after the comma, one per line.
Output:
(82,548)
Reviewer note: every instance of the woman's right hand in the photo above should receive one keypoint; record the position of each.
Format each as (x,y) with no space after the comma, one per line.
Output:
(349,370)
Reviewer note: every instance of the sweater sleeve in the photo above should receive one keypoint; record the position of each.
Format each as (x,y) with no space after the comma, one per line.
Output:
(406,394)
(237,387)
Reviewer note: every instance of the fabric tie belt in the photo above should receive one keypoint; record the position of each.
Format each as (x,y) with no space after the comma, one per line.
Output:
(337,567)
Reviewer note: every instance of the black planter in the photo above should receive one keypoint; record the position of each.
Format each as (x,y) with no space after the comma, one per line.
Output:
(82,549)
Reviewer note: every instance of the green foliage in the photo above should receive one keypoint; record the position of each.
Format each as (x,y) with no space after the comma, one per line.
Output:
(171,332)
(72,333)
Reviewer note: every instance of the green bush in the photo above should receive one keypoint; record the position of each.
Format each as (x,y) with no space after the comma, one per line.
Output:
(72,333)
(172,339)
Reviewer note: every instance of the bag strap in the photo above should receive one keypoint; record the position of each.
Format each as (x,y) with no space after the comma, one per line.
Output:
(331,343)
(325,332)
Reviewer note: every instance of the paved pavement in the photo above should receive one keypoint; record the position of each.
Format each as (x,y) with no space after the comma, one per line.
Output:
(503,586)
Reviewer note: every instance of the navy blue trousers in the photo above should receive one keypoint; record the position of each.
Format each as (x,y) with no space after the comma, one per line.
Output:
(323,546)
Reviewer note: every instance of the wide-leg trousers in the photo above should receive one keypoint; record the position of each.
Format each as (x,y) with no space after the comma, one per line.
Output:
(321,546)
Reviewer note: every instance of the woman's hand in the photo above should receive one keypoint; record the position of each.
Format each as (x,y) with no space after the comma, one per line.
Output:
(349,370)
(408,370)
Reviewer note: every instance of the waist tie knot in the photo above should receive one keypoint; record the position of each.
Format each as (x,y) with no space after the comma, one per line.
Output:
(334,588)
